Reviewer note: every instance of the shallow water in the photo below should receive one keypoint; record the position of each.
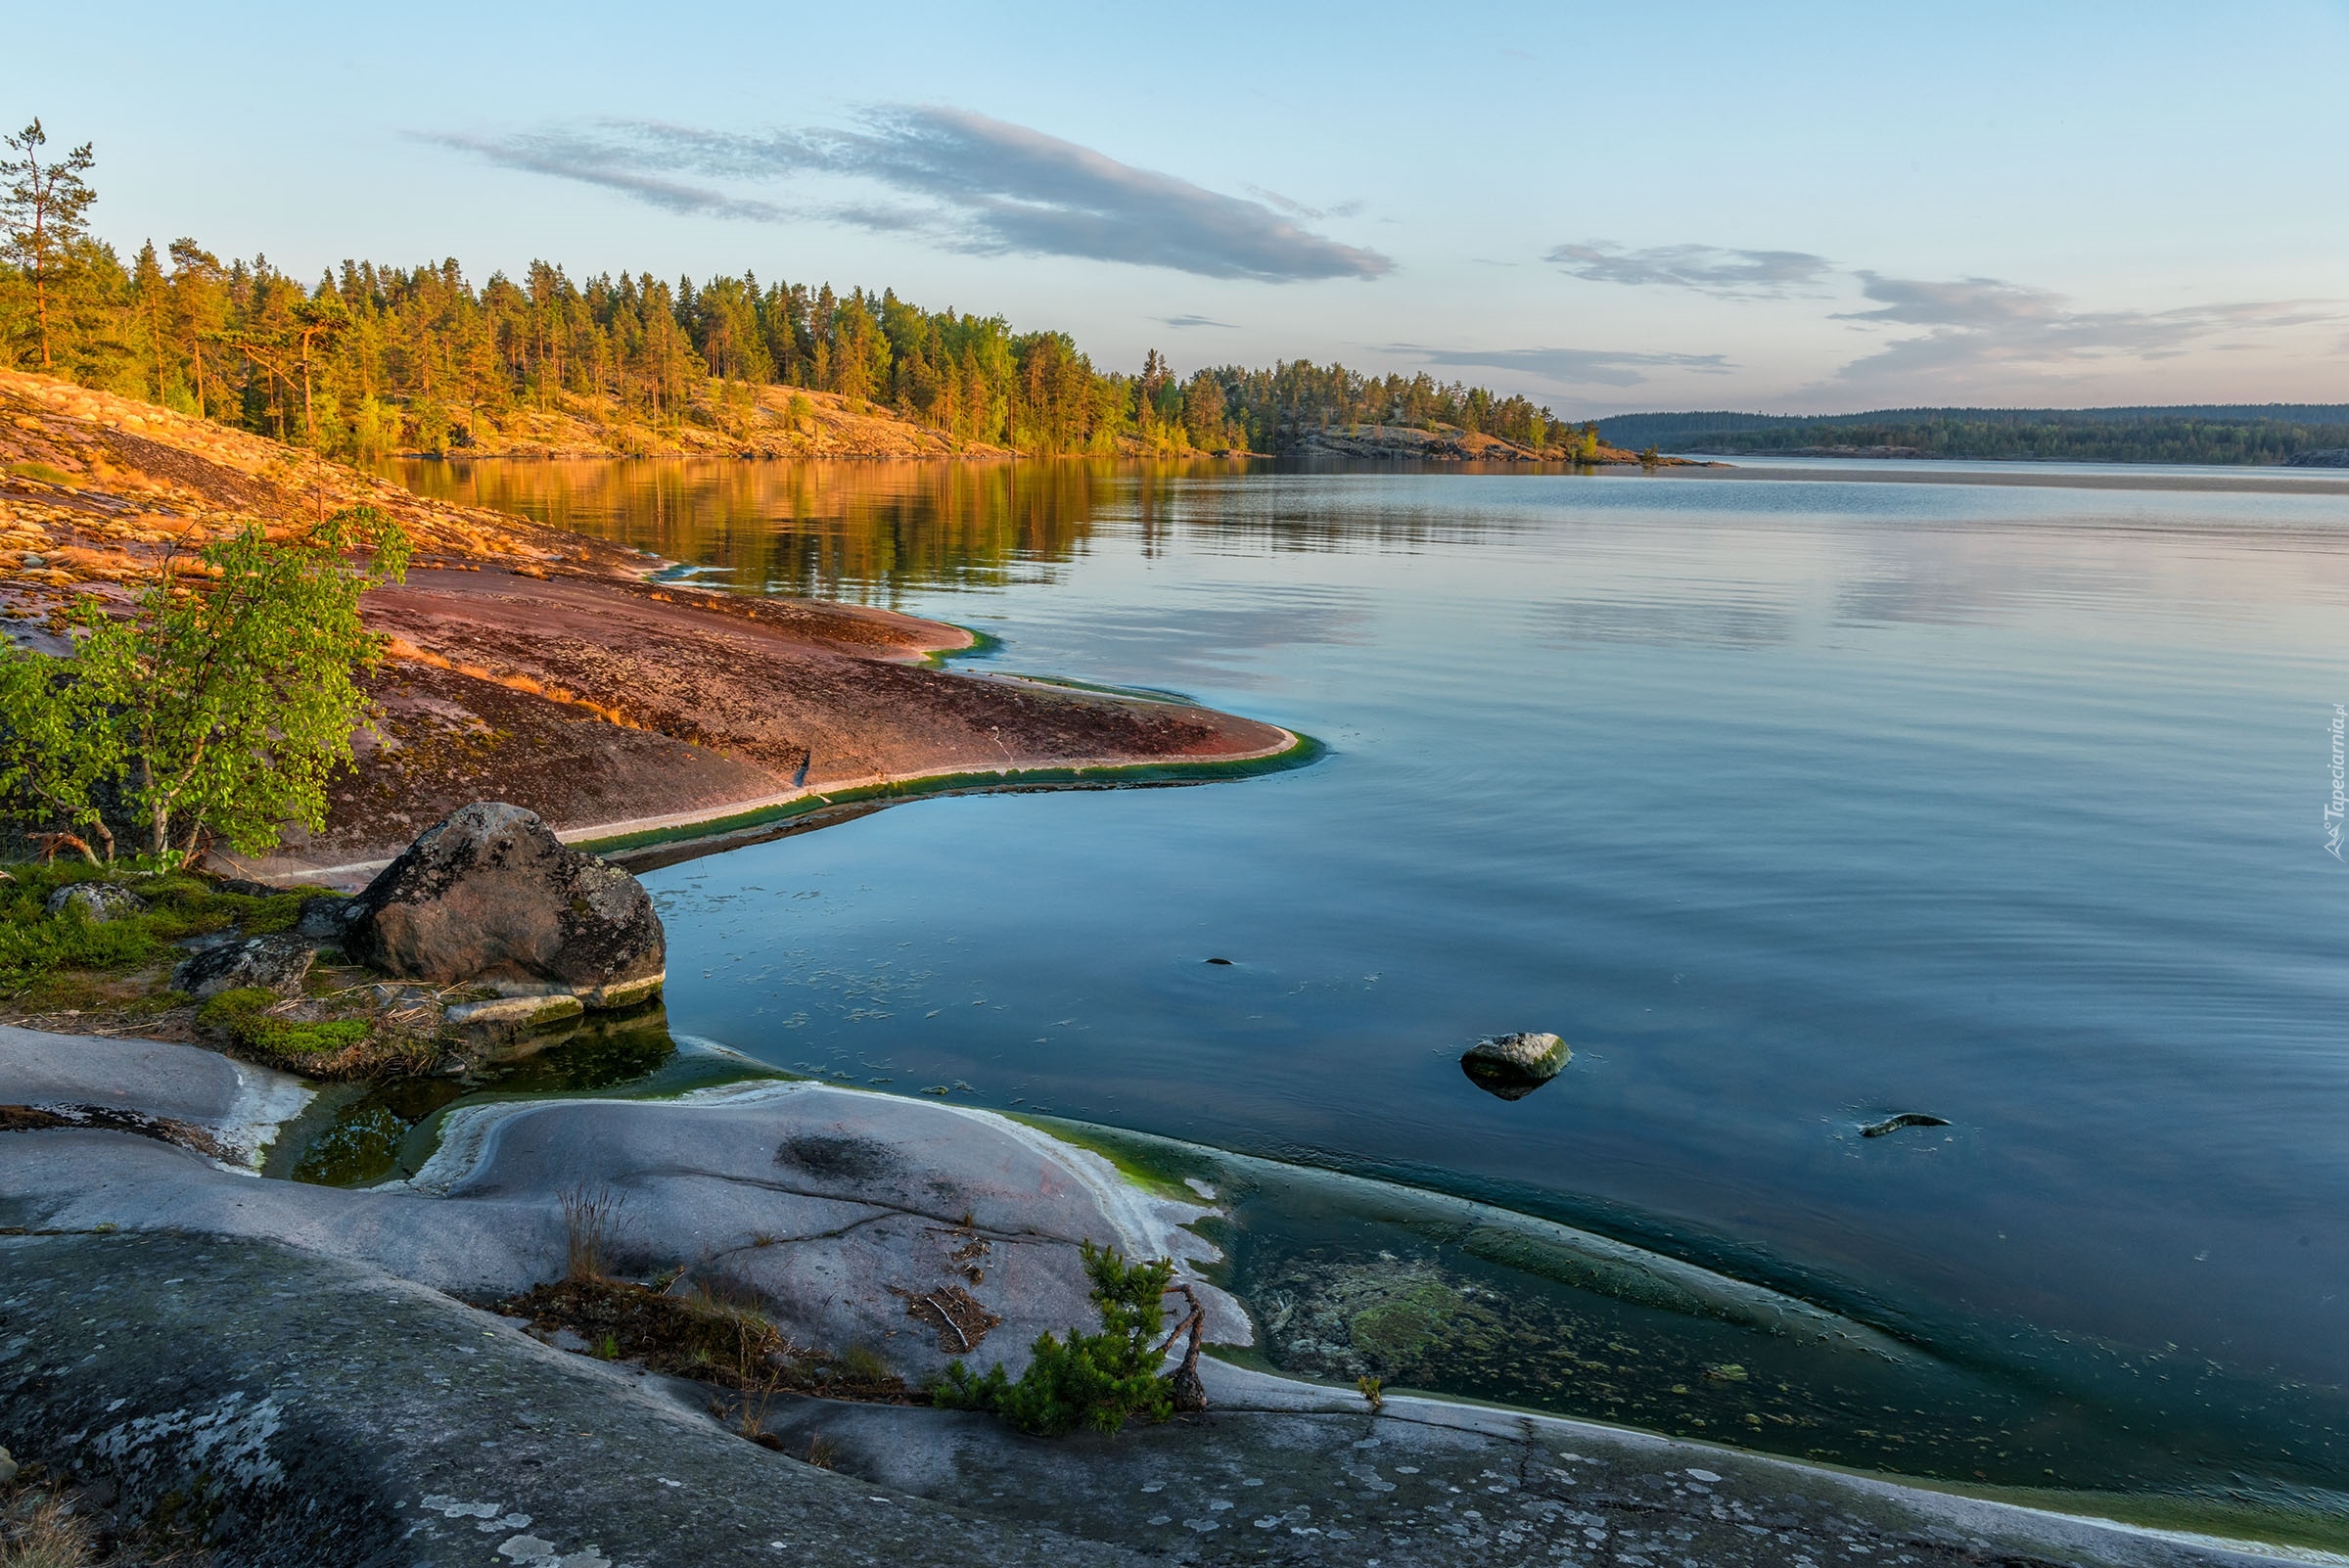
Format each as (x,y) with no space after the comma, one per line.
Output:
(1791,802)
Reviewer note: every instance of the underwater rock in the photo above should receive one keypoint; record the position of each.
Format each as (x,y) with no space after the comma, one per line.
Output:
(491,893)
(97,901)
(1513,1065)
(1893,1123)
(272,963)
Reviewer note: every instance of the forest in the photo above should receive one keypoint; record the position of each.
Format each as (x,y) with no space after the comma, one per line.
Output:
(373,358)
(2217,433)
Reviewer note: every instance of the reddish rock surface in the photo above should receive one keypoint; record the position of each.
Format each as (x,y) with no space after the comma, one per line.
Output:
(538,667)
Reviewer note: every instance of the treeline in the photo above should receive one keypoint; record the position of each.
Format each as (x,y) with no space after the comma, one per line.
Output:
(2213,434)
(373,360)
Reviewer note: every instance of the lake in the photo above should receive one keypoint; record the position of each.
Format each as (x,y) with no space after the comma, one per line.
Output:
(1792,800)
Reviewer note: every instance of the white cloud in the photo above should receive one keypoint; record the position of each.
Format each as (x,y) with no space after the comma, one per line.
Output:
(983,185)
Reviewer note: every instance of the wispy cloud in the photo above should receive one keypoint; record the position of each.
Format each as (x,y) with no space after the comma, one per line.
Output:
(1989,330)
(1570,367)
(1297,209)
(983,186)
(1968,332)
(1706,269)
(571,158)
(1194,321)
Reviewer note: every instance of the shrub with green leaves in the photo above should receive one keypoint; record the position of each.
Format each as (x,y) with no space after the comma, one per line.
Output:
(1098,1380)
(218,708)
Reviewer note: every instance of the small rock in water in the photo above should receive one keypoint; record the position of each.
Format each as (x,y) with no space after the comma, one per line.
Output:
(1893,1123)
(96,902)
(1513,1065)
(1224,961)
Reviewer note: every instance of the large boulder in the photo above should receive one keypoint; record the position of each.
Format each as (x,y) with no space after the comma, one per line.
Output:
(491,894)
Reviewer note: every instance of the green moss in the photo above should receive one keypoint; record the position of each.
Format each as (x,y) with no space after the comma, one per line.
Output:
(244,1016)
(46,473)
(37,947)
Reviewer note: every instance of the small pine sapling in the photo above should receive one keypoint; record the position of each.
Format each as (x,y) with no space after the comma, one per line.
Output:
(1098,1380)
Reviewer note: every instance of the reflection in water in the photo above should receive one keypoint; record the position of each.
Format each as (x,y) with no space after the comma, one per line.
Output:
(870,532)
(860,532)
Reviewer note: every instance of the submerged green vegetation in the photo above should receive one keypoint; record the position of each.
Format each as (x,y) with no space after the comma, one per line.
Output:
(744,825)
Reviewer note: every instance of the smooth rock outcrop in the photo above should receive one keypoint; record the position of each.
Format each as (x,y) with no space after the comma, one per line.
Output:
(96,902)
(270,963)
(1513,1065)
(491,893)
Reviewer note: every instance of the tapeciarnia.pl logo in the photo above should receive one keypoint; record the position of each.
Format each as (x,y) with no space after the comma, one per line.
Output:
(2335,807)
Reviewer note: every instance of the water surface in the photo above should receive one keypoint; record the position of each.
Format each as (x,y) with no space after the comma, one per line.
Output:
(1791,802)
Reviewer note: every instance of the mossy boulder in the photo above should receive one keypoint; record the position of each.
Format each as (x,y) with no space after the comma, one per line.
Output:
(96,903)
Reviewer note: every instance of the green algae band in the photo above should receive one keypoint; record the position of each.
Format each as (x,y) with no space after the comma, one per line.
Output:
(728,831)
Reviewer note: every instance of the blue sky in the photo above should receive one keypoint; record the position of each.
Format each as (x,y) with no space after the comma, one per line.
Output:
(1785,208)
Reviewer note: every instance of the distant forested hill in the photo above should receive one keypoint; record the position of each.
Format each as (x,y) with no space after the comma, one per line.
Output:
(373,360)
(2214,433)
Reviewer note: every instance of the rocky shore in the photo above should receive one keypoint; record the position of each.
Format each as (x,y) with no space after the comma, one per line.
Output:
(702,1325)
(258,1367)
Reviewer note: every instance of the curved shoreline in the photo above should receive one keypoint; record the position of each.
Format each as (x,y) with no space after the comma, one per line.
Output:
(714,829)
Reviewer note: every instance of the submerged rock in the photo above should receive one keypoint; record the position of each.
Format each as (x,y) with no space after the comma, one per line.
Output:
(1893,1123)
(272,963)
(1513,1065)
(96,902)
(491,893)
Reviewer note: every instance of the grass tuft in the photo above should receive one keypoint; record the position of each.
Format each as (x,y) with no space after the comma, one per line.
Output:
(41,953)
(245,1016)
(590,1218)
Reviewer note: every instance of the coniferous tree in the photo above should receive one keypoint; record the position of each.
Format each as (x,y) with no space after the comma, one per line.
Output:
(45,207)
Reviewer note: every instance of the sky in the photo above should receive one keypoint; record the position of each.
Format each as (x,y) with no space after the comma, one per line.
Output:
(1792,208)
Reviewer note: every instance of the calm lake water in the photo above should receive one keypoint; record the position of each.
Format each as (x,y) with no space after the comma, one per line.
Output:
(1792,802)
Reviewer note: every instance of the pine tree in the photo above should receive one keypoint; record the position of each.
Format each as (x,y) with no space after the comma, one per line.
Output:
(44,209)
